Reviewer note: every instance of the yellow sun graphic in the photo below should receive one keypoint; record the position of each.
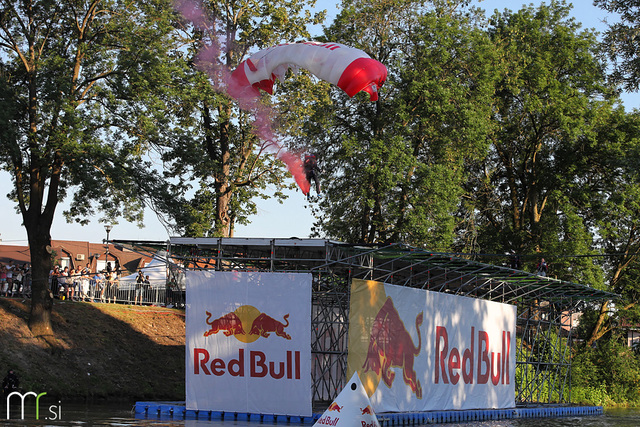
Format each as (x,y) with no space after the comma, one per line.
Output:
(247,314)
(367,298)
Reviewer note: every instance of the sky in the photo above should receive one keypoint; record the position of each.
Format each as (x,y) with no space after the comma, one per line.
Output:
(292,218)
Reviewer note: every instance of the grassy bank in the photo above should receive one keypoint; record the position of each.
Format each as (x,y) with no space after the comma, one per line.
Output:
(101,351)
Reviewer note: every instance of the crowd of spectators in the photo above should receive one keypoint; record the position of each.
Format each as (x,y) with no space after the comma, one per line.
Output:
(81,284)
(15,280)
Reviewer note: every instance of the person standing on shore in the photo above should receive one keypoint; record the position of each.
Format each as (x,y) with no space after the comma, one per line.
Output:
(139,288)
(10,383)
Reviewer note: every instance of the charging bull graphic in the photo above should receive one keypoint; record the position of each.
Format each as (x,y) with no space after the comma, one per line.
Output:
(334,407)
(230,324)
(390,346)
(262,325)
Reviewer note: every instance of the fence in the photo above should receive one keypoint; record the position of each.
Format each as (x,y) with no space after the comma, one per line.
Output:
(157,292)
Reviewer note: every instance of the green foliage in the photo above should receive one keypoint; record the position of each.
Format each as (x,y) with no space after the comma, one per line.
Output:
(393,169)
(218,165)
(74,100)
(591,395)
(608,373)
(613,204)
(527,191)
(83,85)
(621,41)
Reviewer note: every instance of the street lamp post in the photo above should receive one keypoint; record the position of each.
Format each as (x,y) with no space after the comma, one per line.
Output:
(108,228)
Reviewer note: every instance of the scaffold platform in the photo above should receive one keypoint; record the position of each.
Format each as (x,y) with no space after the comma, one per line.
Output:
(545,325)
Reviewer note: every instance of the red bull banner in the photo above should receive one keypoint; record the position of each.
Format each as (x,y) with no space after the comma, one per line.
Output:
(248,342)
(417,350)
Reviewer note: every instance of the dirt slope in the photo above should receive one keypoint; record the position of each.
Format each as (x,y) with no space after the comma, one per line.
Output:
(102,351)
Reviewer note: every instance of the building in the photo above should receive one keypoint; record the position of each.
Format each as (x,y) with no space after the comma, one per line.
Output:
(67,253)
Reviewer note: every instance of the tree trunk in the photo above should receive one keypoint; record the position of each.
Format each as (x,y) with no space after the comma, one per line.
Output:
(220,155)
(42,298)
(223,223)
(597,332)
(38,218)
(223,190)
(600,328)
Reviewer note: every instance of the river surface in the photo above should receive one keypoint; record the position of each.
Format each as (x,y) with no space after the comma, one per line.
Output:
(121,414)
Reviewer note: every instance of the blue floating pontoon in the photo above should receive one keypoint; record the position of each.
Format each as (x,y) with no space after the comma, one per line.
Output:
(178,411)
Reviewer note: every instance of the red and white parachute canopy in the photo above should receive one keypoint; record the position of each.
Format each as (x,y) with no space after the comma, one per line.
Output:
(350,69)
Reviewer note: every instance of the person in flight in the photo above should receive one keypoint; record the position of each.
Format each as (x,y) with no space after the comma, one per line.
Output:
(311,172)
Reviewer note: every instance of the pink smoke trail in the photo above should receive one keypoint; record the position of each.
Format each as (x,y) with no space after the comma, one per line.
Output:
(296,168)
(208,61)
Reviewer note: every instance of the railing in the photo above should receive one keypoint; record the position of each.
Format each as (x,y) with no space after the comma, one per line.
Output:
(157,293)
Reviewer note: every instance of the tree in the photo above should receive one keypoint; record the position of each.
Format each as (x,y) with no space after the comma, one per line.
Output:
(530,192)
(621,41)
(617,214)
(560,180)
(392,168)
(215,146)
(445,99)
(78,80)
(620,236)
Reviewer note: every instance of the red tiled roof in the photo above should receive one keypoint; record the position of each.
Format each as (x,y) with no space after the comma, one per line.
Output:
(19,254)
(79,253)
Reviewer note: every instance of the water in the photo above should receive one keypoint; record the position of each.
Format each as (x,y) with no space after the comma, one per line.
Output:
(121,414)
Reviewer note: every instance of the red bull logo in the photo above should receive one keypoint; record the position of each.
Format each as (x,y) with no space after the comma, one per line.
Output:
(229,324)
(453,364)
(334,407)
(262,325)
(390,346)
(328,421)
(367,411)
(256,365)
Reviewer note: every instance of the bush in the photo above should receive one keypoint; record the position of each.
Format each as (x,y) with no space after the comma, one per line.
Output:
(606,375)
(594,396)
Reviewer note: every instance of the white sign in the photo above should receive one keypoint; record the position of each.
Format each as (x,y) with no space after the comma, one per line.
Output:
(248,342)
(351,408)
(416,350)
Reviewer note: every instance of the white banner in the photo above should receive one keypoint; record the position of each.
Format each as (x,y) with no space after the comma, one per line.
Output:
(416,350)
(248,342)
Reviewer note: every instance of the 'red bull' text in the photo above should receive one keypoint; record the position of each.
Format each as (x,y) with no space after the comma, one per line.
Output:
(328,421)
(452,364)
(257,366)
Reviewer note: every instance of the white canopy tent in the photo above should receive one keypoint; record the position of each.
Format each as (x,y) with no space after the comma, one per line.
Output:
(156,269)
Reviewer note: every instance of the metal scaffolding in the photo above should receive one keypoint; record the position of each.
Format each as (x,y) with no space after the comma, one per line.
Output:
(545,306)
